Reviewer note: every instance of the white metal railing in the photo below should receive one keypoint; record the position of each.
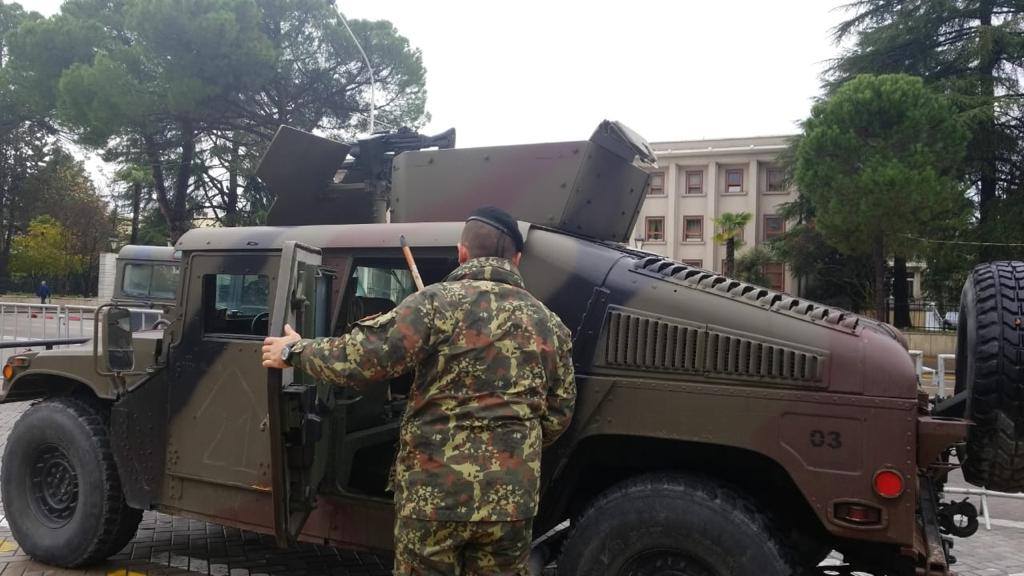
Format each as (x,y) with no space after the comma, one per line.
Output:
(938,374)
(984,495)
(26,322)
(21,321)
(939,379)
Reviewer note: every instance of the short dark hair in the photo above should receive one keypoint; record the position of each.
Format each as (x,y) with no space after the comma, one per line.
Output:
(483,240)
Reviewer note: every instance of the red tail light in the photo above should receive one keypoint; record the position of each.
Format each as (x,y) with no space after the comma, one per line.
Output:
(858,514)
(888,483)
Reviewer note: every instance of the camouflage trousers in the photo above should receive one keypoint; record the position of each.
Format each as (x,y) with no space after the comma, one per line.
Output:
(435,548)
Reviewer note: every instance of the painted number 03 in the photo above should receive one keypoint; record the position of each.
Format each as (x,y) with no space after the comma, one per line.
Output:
(826,439)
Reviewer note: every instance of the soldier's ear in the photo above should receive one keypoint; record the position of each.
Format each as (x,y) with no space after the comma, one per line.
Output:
(463,253)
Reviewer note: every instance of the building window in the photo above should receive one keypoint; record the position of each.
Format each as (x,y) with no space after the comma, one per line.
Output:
(694,181)
(655,229)
(693,228)
(774,226)
(775,180)
(656,187)
(776,274)
(694,263)
(734,180)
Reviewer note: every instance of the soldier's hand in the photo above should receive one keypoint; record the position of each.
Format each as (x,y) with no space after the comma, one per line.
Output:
(273,346)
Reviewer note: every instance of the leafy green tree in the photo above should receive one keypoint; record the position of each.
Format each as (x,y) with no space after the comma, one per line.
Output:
(42,254)
(823,273)
(172,75)
(24,137)
(62,190)
(879,160)
(319,82)
(132,186)
(193,90)
(730,227)
(750,265)
(153,229)
(972,51)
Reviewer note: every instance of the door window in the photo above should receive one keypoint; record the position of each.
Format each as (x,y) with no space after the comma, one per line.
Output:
(236,304)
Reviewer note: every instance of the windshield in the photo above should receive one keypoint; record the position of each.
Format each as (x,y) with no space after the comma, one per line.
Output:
(150,281)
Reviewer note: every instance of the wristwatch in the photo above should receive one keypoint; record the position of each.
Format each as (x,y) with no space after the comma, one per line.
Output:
(289,353)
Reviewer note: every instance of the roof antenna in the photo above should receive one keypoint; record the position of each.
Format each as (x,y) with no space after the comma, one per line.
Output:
(373,82)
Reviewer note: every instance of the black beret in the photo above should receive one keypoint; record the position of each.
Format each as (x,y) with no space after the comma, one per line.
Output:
(500,220)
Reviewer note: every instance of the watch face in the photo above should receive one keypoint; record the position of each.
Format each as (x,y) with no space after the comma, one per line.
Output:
(286,352)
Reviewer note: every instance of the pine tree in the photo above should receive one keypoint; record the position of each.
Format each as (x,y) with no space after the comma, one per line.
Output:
(971,50)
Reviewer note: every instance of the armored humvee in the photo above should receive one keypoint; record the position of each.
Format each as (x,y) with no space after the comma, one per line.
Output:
(146,278)
(721,428)
(147,275)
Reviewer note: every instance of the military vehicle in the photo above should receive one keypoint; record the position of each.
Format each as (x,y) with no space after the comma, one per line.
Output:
(722,428)
(147,275)
(146,278)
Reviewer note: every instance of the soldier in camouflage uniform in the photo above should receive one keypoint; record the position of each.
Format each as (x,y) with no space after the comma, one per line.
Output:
(493,384)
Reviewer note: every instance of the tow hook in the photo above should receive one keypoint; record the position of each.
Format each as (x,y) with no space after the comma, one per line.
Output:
(958,518)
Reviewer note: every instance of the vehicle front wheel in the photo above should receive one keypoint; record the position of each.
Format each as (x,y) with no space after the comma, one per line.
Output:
(60,486)
(675,525)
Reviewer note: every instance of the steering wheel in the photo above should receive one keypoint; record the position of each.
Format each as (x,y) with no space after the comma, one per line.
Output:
(161,323)
(257,318)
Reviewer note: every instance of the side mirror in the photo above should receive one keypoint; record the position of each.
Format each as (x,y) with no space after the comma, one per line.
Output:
(117,340)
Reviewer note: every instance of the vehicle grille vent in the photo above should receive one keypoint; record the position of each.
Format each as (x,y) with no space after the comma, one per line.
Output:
(635,341)
(712,282)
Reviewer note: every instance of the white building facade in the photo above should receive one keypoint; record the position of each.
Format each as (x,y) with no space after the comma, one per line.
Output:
(699,180)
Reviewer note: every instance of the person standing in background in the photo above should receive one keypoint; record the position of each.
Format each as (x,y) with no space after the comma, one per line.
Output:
(43,292)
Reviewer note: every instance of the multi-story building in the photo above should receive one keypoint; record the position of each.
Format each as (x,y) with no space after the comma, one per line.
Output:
(701,179)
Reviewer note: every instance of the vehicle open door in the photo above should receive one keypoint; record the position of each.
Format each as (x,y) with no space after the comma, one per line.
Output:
(298,406)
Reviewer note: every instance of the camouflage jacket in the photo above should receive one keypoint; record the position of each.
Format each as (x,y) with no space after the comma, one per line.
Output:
(493,383)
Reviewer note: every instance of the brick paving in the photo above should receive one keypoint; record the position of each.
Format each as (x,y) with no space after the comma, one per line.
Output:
(169,546)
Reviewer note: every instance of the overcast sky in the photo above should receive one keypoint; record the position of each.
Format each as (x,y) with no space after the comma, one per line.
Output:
(529,71)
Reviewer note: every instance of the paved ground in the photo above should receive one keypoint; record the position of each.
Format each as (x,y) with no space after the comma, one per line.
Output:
(175,546)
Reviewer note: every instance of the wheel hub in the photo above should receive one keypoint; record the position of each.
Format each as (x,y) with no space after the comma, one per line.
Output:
(53,486)
(664,563)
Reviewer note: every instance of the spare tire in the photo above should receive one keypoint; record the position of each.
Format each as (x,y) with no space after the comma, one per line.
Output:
(990,368)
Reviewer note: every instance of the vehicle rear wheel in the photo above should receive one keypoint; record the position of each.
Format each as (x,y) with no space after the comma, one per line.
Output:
(675,525)
(60,486)
(990,367)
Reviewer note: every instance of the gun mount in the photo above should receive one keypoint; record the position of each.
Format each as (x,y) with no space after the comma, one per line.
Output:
(590,187)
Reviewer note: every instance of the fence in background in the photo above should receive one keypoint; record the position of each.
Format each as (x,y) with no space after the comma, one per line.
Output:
(27,322)
(20,322)
(940,378)
(984,495)
(927,316)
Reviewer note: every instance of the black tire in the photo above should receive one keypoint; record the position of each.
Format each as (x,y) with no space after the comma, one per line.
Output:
(990,367)
(675,524)
(60,486)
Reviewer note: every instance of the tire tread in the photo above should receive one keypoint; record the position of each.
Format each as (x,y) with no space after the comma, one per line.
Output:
(119,521)
(724,496)
(995,444)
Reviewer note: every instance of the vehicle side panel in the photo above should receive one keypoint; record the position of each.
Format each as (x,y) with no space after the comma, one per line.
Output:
(827,410)
(217,448)
(830,445)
